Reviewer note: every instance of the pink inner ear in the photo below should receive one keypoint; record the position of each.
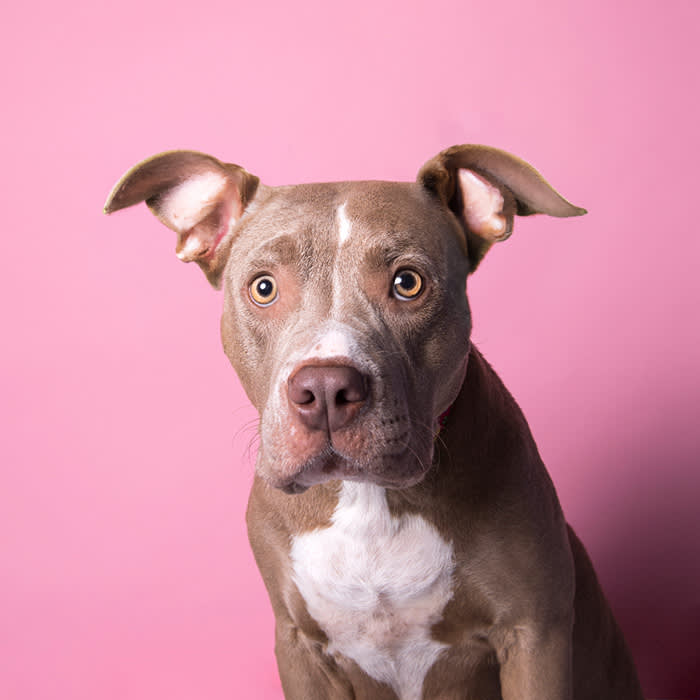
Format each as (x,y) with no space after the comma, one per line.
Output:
(483,205)
(202,239)
(201,210)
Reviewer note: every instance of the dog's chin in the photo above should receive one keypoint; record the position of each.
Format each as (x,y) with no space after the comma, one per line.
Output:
(389,471)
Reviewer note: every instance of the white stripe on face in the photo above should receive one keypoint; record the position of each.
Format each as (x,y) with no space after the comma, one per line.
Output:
(344,225)
(344,231)
(336,342)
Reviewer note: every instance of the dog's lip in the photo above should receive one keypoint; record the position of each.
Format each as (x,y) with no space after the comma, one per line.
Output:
(329,465)
(326,465)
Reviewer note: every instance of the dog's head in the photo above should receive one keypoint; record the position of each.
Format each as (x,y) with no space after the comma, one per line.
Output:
(345,308)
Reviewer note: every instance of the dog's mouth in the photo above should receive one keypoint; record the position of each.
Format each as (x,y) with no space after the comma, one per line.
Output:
(396,469)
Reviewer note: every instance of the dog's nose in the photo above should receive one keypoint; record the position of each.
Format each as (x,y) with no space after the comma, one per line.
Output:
(327,397)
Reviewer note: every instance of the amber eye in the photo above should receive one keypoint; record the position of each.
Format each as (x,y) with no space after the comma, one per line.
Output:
(408,284)
(263,290)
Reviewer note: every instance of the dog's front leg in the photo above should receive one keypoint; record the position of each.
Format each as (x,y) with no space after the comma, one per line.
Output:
(536,662)
(306,671)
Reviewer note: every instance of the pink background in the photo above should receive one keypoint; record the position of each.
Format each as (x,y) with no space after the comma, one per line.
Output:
(124,566)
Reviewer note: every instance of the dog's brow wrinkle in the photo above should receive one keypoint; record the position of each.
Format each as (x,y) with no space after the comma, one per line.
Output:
(282,250)
(386,254)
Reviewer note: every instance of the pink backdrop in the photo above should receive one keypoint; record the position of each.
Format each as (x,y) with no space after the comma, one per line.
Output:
(124,566)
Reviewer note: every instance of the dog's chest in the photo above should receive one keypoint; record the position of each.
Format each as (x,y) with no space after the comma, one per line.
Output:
(376,585)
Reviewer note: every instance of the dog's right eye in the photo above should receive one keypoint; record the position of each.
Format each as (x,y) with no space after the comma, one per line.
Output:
(263,290)
(408,285)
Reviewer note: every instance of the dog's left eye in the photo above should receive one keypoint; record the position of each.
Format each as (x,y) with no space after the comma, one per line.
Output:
(263,290)
(408,285)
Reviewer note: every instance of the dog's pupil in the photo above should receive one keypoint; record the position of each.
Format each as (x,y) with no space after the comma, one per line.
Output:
(406,281)
(264,288)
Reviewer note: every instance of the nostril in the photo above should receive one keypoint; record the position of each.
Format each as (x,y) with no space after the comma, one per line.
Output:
(349,384)
(353,393)
(304,397)
(303,388)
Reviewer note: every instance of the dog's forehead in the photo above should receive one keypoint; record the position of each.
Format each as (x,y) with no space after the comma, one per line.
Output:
(375,211)
(351,214)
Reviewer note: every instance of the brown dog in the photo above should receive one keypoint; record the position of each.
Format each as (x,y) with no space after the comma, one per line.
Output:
(400,563)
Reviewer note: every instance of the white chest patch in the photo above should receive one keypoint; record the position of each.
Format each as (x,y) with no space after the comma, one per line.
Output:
(376,585)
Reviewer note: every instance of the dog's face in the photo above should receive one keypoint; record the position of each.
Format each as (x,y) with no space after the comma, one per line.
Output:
(345,308)
(346,319)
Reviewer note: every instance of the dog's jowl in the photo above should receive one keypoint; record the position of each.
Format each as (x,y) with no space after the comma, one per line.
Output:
(407,531)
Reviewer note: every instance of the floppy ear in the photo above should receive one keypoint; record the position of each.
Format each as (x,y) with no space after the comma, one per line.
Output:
(485,188)
(195,195)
